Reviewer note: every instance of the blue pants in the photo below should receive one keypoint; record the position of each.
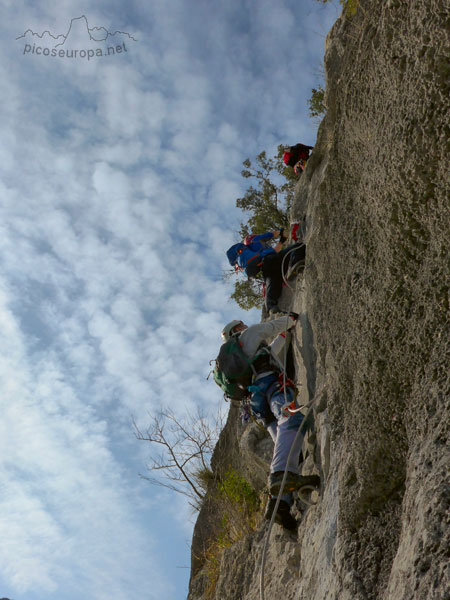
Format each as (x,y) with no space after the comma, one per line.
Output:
(267,402)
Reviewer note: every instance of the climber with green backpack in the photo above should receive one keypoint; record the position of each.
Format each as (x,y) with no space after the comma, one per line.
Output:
(247,368)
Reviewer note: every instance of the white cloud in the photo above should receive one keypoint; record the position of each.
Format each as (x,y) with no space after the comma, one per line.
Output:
(119,179)
(60,481)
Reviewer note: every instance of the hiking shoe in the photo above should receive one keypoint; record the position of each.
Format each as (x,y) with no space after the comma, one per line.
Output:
(293,482)
(283,516)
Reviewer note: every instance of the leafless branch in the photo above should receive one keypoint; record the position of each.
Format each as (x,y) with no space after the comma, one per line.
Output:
(186,446)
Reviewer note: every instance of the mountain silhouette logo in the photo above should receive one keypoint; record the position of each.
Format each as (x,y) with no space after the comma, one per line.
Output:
(78,29)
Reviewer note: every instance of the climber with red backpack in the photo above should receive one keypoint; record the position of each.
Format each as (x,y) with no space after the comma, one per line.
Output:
(273,263)
(249,369)
(296,157)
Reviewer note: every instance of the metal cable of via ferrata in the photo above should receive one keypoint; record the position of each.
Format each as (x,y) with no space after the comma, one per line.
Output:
(300,430)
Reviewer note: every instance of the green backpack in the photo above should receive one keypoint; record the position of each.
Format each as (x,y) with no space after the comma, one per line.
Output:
(233,372)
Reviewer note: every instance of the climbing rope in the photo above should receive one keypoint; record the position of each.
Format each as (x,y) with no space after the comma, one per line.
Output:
(300,430)
(280,493)
(296,247)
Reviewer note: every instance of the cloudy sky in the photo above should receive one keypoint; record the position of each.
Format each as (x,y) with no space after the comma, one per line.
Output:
(119,175)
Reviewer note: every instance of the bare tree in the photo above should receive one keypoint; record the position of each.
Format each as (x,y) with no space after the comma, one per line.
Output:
(186,444)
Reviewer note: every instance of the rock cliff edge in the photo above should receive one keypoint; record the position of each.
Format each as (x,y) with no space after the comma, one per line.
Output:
(372,345)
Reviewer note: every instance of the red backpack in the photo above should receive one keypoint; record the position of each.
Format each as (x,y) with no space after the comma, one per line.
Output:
(286,156)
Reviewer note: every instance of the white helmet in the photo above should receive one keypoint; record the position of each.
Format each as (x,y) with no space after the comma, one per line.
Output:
(227,330)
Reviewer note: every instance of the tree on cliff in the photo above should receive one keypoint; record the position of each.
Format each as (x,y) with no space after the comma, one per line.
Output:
(268,203)
(317,102)
(186,444)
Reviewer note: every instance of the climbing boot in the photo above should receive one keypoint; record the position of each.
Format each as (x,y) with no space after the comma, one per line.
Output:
(283,516)
(293,482)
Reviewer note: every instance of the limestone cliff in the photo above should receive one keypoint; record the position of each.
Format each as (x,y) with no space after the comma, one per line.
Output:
(372,347)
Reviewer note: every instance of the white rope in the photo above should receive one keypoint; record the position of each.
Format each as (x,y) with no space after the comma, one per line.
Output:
(280,493)
(283,481)
(285,281)
(300,430)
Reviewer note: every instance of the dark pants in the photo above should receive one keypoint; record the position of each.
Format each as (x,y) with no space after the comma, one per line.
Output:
(274,268)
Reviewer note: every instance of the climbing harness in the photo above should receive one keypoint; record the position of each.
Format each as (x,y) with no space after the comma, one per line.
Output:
(285,383)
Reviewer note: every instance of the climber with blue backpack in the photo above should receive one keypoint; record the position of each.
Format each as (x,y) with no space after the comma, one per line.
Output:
(248,369)
(255,256)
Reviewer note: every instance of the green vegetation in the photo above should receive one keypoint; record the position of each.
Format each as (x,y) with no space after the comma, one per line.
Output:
(316,102)
(238,491)
(181,450)
(237,505)
(248,293)
(268,203)
(350,6)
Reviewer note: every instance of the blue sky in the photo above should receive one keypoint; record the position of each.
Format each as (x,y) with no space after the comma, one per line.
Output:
(118,182)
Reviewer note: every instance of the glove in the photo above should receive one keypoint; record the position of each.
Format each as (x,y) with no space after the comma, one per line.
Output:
(283,238)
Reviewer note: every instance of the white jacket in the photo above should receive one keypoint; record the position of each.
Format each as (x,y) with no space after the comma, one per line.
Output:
(272,332)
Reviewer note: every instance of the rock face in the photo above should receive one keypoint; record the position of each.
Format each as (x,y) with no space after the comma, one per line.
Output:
(372,345)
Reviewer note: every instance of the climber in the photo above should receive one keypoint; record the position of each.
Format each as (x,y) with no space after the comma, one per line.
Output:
(296,157)
(269,403)
(248,254)
(258,256)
